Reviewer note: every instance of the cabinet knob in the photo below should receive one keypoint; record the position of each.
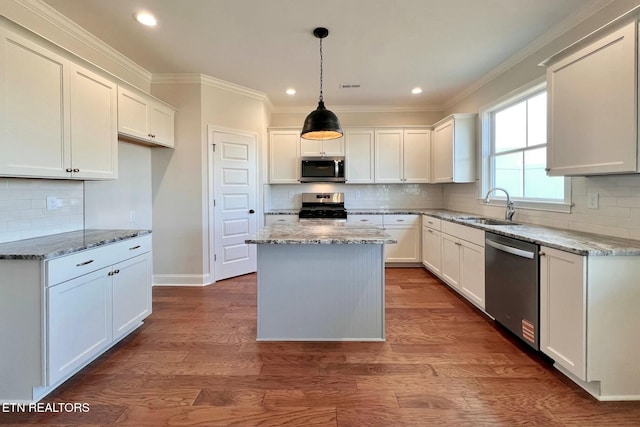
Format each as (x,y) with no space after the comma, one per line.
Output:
(251,211)
(116,271)
(149,135)
(110,273)
(76,170)
(541,253)
(547,169)
(68,170)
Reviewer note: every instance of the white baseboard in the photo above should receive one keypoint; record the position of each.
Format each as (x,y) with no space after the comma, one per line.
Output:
(182,279)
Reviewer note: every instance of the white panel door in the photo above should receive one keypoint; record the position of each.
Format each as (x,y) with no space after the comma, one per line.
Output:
(388,157)
(417,155)
(235,198)
(359,156)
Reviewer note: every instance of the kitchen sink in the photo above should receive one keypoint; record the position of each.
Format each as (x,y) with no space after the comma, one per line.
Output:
(488,221)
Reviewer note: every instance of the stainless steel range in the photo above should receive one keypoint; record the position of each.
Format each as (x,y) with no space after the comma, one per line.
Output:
(323,206)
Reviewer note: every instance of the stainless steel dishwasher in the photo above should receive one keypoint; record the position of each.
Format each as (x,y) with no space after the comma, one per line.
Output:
(512,289)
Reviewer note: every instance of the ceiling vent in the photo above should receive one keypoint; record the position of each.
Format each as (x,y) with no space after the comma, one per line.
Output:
(343,86)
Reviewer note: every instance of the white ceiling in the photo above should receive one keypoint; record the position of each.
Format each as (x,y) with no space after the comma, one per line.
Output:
(386,46)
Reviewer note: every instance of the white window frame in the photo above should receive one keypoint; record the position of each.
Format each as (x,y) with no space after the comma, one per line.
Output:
(498,198)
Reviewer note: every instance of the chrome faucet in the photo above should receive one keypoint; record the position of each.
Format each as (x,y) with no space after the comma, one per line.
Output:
(508,215)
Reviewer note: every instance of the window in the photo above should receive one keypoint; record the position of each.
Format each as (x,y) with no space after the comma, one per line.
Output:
(515,147)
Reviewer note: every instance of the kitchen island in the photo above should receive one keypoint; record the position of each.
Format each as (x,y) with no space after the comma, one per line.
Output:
(319,282)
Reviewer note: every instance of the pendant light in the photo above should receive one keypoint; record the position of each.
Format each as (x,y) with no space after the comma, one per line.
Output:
(321,123)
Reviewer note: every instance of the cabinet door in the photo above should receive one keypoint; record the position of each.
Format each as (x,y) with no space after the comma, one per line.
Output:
(592,108)
(333,147)
(133,114)
(417,155)
(388,158)
(78,322)
(431,249)
(34,125)
(408,247)
(284,157)
(131,293)
(94,125)
(442,152)
(451,260)
(472,272)
(310,147)
(359,158)
(563,309)
(161,119)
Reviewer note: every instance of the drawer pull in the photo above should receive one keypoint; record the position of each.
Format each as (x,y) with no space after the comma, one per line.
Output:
(364,220)
(84,263)
(134,248)
(430,231)
(400,220)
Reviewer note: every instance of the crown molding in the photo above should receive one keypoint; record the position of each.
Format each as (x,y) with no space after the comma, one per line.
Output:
(63,23)
(203,79)
(362,109)
(549,36)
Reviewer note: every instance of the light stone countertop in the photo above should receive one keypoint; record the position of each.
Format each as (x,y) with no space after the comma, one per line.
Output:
(319,233)
(576,242)
(64,243)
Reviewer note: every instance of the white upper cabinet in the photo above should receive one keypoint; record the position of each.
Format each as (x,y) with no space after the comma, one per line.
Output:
(57,119)
(402,155)
(284,156)
(144,118)
(359,156)
(319,148)
(592,107)
(453,149)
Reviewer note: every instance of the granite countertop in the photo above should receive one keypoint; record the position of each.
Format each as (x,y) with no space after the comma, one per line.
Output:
(576,242)
(64,243)
(318,233)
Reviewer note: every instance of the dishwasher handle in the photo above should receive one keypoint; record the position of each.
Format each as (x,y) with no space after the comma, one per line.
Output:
(511,249)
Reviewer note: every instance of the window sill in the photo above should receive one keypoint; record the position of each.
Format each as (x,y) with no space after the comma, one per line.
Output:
(560,207)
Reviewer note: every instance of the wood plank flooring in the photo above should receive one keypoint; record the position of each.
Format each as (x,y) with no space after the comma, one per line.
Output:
(196,362)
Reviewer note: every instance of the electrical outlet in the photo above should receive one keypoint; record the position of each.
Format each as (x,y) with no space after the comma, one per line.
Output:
(592,200)
(291,194)
(52,203)
(132,216)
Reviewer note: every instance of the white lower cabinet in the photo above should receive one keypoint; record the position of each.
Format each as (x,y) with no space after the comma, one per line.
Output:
(79,323)
(589,320)
(68,311)
(563,309)
(459,260)
(431,244)
(406,230)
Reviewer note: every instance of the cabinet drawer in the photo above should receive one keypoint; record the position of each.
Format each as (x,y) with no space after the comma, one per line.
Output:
(366,219)
(280,219)
(67,267)
(463,232)
(407,220)
(431,222)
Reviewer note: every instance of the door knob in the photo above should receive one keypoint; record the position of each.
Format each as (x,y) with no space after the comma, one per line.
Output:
(251,211)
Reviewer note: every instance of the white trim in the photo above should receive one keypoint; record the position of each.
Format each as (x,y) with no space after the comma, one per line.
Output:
(362,109)
(484,153)
(182,279)
(61,22)
(203,79)
(548,37)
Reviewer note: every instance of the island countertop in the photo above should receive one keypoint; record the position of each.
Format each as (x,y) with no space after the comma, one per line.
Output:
(319,233)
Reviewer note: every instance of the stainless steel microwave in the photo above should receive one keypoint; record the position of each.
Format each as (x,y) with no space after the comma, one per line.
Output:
(322,169)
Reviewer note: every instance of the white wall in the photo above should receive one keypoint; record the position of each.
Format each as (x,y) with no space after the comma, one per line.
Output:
(109,204)
(619,211)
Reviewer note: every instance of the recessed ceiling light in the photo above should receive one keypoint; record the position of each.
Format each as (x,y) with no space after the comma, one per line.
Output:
(145,18)
(416,90)
(291,91)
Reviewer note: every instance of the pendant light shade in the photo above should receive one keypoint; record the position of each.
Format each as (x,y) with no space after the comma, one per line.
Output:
(321,123)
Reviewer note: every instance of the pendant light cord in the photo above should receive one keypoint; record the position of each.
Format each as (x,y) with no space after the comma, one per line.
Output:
(321,99)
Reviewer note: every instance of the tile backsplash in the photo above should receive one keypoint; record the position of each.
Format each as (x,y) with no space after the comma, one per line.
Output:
(23,207)
(361,196)
(618,212)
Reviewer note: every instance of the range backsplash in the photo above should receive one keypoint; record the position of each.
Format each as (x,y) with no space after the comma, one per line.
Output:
(360,196)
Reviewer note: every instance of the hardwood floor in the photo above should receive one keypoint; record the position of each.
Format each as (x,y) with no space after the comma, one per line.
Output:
(196,362)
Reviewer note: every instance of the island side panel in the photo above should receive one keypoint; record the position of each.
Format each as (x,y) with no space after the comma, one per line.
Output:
(321,292)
